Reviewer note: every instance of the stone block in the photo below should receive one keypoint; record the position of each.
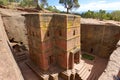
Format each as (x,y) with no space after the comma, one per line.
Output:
(72,77)
(77,77)
(64,76)
(53,76)
(44,77)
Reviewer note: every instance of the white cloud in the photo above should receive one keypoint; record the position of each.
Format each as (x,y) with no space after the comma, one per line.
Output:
(99,5)
(60,7)
(102,4)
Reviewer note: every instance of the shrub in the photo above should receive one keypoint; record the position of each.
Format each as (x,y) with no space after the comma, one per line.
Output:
(27,3)
(87,56)
(3,2)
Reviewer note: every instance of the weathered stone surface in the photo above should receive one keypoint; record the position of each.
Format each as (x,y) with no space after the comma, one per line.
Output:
(99,39)
(113,66)
(14,24)
(51,37)
(65,75)
(44,77)
(53,76)
(118,44)
(8,67)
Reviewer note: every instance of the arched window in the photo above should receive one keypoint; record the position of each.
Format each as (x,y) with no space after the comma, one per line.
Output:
(48,34)
(74,32)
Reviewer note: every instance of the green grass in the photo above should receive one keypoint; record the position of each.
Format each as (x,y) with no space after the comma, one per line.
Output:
(87,56)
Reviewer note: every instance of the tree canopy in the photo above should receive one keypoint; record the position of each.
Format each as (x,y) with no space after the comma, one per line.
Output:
(52,8)
(102,14)
(69,4)
(116,15)
(27,3)
(3,2)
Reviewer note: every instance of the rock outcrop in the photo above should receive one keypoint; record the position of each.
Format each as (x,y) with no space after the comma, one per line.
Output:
(8,69)
(113,66)
(14,25)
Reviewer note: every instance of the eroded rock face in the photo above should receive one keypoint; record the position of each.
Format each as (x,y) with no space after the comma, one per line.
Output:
(8,67)
(15,25)
(99,39)
(118,44)
(15,28)
(113,66)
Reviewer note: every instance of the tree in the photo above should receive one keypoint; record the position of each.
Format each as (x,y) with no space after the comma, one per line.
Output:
(33,3)
(3,2)
(27,3)
(17,0)
(69,4)
(12,0)
(116,15)
(102,14)
(89,14)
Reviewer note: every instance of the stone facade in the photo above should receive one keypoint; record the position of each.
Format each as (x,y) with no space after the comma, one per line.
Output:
(99,39)
(54,39)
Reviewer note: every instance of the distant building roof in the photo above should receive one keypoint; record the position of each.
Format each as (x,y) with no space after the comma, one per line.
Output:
(98,22)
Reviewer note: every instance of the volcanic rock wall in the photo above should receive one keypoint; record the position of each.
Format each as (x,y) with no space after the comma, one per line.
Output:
(99,39)
(8,67)
(14,25)
(113,67)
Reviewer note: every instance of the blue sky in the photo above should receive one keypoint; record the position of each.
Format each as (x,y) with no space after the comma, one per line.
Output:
(86,5)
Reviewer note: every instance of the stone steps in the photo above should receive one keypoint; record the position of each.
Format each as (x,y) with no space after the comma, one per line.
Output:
(20,57)
(81,70)
(91,75)
(86,75)
(84,71)
(88,72)
(78,67)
